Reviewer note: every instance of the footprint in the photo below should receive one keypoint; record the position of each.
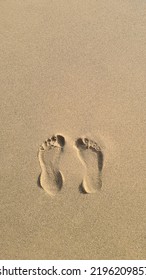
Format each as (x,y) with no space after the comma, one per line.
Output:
(51,178)
(92,158)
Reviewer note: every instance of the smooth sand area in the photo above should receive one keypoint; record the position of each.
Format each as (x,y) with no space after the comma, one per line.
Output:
(76,69)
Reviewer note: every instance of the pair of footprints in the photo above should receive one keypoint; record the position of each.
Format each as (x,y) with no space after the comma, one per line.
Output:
(51,179)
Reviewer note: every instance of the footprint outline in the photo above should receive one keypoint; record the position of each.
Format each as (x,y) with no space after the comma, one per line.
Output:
(51,178)
(84,144)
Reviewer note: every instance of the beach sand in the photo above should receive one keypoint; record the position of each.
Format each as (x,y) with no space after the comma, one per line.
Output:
(75,69)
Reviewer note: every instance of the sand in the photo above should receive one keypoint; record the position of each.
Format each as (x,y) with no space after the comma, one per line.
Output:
(75,69)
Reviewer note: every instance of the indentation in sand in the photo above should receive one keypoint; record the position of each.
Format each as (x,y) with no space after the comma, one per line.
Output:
(91,156)
(51,178)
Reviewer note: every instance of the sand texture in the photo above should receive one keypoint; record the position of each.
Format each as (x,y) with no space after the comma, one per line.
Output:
(73,129)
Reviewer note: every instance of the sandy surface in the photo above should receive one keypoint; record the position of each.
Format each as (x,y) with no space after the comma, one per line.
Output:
(75,68)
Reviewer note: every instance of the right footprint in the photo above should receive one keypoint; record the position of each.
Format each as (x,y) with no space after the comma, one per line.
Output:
(92,158)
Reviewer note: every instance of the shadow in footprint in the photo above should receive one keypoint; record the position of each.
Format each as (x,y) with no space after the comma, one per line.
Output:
(61,140)
(100,160)
(59,180)
(80,144)
(81,189)
(38,182)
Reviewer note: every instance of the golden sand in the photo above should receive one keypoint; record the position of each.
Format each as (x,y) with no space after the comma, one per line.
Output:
(75,69)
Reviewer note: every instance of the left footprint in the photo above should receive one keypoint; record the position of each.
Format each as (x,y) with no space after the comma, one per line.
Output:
(51,178)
